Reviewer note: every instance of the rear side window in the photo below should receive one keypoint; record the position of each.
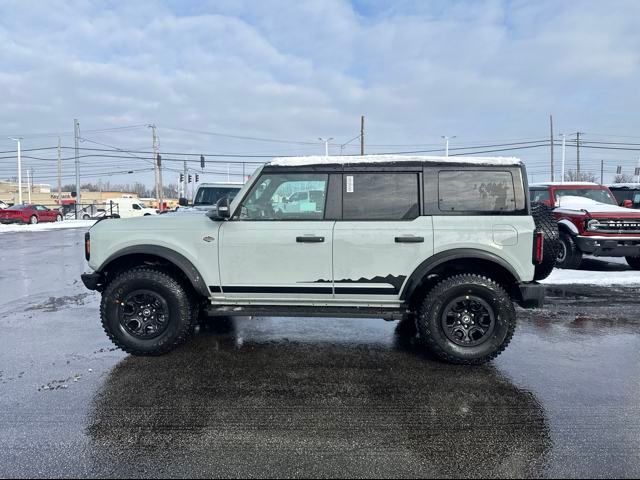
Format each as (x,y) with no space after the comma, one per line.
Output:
(476,191)
(380,196)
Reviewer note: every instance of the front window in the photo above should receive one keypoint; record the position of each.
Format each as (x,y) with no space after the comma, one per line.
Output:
(299,196)
(137,207)
(211,195)
(593,194)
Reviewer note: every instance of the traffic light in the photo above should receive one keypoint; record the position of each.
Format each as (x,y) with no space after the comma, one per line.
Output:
(201,162)
(197,178)
(181,177)
(189,178)
(159,160)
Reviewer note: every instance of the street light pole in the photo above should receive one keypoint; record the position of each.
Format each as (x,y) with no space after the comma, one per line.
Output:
(564,145)
(326,145)
(446,144)
(18,139)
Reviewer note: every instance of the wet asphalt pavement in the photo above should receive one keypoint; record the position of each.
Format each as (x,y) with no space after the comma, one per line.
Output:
(280,397)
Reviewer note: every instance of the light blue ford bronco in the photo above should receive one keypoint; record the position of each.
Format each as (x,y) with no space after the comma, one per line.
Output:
(448,244)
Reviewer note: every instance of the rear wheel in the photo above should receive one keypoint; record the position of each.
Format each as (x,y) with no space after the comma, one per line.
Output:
(33,220)
(634,262)
(58,218)
(467,319)
(569,255)
(146,312)
(86,217)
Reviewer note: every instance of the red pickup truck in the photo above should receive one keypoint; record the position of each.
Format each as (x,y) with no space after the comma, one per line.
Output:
(590,222)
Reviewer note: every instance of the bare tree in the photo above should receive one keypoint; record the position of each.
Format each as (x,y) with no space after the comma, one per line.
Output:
(573,176)
(623,178)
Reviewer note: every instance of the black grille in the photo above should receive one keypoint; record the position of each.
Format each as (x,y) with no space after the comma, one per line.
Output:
(631,225)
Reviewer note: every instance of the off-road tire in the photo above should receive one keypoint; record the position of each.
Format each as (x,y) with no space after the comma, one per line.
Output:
(432,309)
(180,306)
(570,256)
(634,262)
(548,225)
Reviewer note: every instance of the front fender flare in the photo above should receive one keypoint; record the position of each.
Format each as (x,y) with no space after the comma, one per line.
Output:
(177,259)
(569,226)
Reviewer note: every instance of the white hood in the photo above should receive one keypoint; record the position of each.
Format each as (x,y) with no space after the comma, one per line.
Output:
(581,203)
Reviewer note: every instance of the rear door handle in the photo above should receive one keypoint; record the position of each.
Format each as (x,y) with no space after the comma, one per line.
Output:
(409,239)
(309,239)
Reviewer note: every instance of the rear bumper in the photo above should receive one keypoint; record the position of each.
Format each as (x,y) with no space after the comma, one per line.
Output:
(8,221)
(93,281)
(532,295)
(609,246)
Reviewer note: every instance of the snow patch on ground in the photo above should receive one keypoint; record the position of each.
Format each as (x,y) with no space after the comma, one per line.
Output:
(596,277)
(45,227)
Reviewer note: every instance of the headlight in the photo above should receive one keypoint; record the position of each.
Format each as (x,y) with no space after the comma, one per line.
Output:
(593,224)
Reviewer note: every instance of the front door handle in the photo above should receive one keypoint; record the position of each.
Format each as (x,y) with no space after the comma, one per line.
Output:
(309,239)
(409,239)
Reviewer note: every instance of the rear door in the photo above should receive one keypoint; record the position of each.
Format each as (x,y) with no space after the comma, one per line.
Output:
(381,238)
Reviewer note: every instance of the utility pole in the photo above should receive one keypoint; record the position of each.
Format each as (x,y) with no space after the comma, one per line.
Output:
(564,145)
(446,144)
(59,174)
(601,172)
(638,172)
(19,139)
(578,154)
(362,135)
(551,143)
(76,134)
(158,168)
(29,184)
(184,181)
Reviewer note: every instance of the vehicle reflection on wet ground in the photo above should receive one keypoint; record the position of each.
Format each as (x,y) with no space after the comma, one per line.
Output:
(284,397)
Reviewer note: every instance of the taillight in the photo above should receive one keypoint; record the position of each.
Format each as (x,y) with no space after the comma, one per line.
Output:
(538,248)
(87,246)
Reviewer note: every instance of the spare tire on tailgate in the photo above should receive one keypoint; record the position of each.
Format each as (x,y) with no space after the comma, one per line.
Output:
(548,225)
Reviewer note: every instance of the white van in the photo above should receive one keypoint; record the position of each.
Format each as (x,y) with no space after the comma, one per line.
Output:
(128,207)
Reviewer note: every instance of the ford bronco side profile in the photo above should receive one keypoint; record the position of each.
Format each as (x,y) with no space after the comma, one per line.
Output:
(590,223)
(449,243)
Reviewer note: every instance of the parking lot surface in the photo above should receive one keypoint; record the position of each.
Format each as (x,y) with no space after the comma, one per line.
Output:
(284,397)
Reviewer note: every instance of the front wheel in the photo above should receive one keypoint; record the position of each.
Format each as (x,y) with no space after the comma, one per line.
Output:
(33,220)
(467,320)
(569,255)
(634,262)
(146,312)
(58,218)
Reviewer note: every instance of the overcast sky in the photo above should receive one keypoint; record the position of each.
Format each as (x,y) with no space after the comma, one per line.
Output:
(484,71)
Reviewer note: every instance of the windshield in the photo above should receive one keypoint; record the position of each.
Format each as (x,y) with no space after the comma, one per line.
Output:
(211,195)
(597,195)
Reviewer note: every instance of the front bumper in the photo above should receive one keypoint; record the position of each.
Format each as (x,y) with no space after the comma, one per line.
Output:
(609,246)
(93,281)
(531,295)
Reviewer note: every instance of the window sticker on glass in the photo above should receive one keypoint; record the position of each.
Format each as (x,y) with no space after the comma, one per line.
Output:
(349,183)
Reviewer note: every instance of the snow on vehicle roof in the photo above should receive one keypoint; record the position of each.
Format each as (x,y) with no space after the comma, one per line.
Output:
(562,184)
(624,185)
(356,159)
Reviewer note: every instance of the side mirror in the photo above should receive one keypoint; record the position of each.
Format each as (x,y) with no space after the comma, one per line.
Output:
(183,202)
(222,210)
(627,204)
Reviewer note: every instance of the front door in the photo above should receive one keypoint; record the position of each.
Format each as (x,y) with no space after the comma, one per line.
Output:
(278,246)
(381,239)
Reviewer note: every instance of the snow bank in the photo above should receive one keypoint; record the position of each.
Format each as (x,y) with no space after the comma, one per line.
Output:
(608,273)
(45,227)
(323,160)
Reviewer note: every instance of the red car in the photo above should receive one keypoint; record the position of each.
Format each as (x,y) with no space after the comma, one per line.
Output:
(590,222)
(29,214)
